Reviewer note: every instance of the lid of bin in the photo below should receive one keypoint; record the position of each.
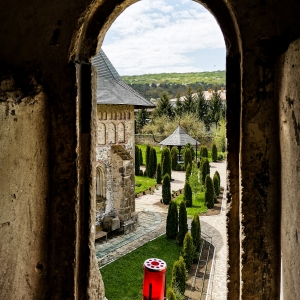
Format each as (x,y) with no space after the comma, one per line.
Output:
(155,264)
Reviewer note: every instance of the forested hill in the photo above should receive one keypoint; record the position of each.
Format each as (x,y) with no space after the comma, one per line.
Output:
(152,85)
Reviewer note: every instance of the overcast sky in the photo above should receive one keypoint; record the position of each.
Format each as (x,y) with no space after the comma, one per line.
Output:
(162,36)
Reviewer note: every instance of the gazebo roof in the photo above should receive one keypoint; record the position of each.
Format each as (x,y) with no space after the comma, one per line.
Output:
(178,138)
(111,89)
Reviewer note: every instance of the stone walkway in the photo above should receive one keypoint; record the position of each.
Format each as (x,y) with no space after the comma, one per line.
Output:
(152,223)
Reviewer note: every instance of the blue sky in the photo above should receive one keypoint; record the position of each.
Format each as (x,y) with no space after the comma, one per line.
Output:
(162,36)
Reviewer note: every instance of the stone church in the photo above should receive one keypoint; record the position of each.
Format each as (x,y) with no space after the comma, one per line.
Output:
(48,116)
(115,144)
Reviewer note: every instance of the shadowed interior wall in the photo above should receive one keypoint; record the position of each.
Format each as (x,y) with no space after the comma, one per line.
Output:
(53,150)
(289,95)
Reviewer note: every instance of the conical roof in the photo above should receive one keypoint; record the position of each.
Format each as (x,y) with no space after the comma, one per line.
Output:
(178,138)
(111,89)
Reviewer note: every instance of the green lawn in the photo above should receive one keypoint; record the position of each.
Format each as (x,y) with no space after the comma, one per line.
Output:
(144,182)
(198,204)
(157,149)
(123,278)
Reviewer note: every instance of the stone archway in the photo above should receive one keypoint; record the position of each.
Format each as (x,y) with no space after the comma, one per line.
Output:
(88,43)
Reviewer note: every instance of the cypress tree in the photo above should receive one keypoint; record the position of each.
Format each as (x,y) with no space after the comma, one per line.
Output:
(188,195)
(187,157)
(216,184)
(196,231)
(147,159)
(158,174)
(214,153)
(137,161)
(188,172)
(174,157)
(172,221)
(182,224)
(170,294)
(166,189)
(141,157)
(217,173)
(188,250)
(166,162)
(179,275)
(203,151)
(204,169)
(209,192)
(152,163)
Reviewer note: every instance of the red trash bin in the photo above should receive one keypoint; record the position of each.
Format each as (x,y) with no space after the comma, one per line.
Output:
(154,279)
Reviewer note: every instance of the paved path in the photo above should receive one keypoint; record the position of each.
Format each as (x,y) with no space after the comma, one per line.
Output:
(152,220)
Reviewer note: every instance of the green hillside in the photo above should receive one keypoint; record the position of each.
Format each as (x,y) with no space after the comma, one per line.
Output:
(152,85)
(215,77)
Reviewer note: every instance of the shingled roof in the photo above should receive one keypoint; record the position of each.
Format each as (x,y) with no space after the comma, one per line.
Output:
(111,89)
(178,138)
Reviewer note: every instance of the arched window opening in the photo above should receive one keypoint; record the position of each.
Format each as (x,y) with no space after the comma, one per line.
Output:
(111,133)
(121,133)
(101,130)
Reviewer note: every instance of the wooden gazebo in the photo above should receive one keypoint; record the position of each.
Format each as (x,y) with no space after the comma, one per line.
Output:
(179,138)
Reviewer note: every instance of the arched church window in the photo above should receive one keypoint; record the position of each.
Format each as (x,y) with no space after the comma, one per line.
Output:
(121,133)
(111,133)
(100,184)
(101,134)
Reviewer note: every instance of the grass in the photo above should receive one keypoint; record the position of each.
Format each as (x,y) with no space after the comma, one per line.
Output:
(123,278)
(143,183)
(198,204)
(157,149)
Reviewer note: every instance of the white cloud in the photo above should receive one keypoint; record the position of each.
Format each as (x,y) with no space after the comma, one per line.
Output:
(154,37)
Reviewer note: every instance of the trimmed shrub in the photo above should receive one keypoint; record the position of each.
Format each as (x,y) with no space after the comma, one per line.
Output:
(158,174)
(137,161)
(196,231)
(216,184)
(174,157)
(152,163)
(166,189)
(209,192)
(203,151)
(217,173)
(220,157)
(172,221)
(188,172)
(191,147)
(204,169)
(147,158)
(182,224)
(170,294)
(166,162)
(179,275)
(188,195)
(214,153)
(141,158)
(187,158)
(178,167)
(188,250)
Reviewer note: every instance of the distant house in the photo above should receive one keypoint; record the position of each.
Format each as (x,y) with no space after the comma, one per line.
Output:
(115,149)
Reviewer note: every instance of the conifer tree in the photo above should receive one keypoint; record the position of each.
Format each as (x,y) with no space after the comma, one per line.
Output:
(158,174)
(141,157)
(216,186)
(170,294)
(137,161)
(209,192)
(204,169)
(217,173)
(214,153)
(172,221)
(147,159)
(187,157)
(188,250)
(188,172)
(166,189)
(179,275)
(188,194)
(182,224)
(152,163)
(166,162)
(174,157)
(196,231)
